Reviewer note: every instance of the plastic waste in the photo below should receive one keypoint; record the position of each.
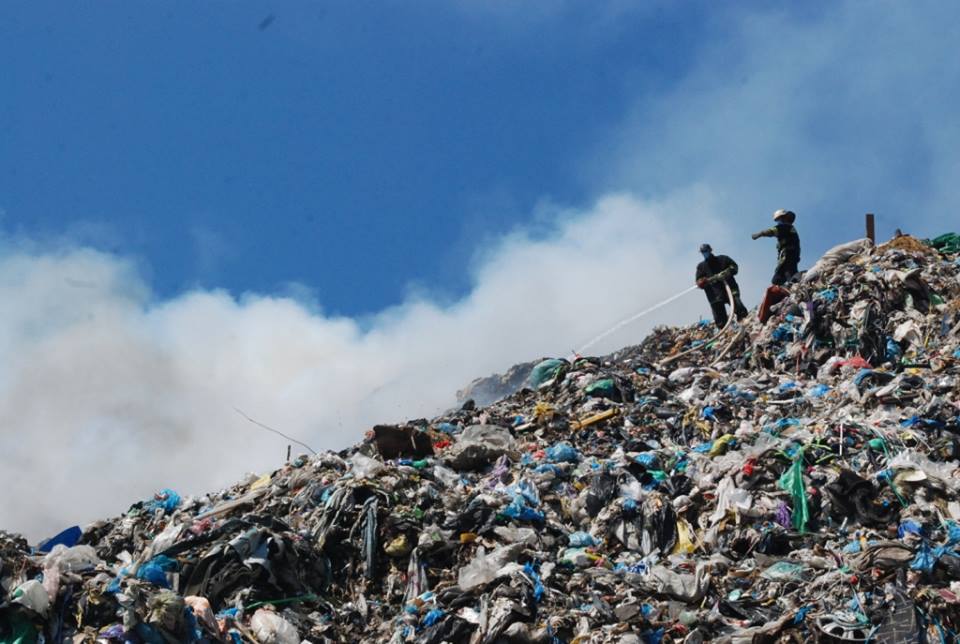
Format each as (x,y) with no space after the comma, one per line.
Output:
(271,628)
(545,371)
(478,446)
(793,479)
(32,596)
(792,482)
(364,467)
(485,567)
(68,538)
(563,453)
(581,539)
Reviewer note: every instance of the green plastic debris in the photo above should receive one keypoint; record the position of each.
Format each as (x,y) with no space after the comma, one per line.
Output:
(546,371)
(947,243)
(792,482)
(601,389)
(721,444)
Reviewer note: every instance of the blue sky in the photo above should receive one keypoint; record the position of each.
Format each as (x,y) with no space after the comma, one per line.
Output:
(341,215)
(353,147)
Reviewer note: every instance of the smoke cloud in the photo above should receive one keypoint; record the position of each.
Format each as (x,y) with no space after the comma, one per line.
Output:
(108,394)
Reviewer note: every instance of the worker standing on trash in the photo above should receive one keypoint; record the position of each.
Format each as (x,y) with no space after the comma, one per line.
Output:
(788,246)
(712,273)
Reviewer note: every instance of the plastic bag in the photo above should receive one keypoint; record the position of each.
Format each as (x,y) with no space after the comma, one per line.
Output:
(75,559)
(546,371)
(31,595)
(166,500)
(729,496)
(478,446)
(604,388)
(484,568)
(792,482)
(155,571)
(562,453)
(364,467)
(784,571)
(581,540)
(270,628)
(203,612)
(445,475)
(63,559)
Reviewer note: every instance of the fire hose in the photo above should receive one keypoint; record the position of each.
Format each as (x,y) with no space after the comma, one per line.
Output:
(647,311)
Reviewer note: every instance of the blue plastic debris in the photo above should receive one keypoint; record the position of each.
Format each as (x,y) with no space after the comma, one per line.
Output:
(581,540)
(647,459)
(155,571)
(953,533)
(924,560)
(909,527)
(894,352)
(166,500)
(781,425)
(548,468)
(562,453)
(433,617)
(783,332)
(69,538)
(818,391)
(518,509)
(534,576)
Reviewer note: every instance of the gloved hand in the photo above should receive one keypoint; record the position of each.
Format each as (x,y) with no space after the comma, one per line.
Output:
(755,236)
(702,282)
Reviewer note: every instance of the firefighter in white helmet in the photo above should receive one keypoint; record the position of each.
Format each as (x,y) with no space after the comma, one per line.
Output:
(788,246)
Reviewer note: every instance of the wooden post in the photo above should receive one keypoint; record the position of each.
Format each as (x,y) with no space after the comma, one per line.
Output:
(871,229)
(288,453)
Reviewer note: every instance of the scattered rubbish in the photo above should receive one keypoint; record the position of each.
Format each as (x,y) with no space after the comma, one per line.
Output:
(796,479)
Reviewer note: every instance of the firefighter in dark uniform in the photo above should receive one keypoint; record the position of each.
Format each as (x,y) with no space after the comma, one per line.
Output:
(788,246)
(712,273)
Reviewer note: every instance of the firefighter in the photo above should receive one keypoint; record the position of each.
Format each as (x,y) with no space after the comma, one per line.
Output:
(788,246)
(713,273)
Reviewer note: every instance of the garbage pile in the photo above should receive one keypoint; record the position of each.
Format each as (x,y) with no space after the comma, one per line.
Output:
(788,481)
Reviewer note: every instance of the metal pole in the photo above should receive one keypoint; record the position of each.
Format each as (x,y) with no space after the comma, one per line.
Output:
(871,229)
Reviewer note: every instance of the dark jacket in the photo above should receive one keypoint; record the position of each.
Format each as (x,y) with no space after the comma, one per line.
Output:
(788,241)
(718,269)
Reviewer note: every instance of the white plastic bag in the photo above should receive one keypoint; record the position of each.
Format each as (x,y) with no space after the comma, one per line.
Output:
(364,467)
(484,568)
(270,628)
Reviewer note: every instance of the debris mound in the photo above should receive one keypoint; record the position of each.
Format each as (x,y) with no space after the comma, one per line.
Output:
(790,480)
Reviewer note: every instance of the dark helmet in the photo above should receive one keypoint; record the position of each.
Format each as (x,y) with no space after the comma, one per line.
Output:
(705,248)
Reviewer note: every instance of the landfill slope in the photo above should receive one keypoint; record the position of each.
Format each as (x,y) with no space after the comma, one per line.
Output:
(790,480)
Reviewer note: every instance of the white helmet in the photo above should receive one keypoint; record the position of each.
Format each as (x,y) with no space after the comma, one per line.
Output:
(784,215)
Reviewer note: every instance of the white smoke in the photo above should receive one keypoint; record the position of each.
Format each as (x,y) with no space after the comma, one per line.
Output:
(108,394)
